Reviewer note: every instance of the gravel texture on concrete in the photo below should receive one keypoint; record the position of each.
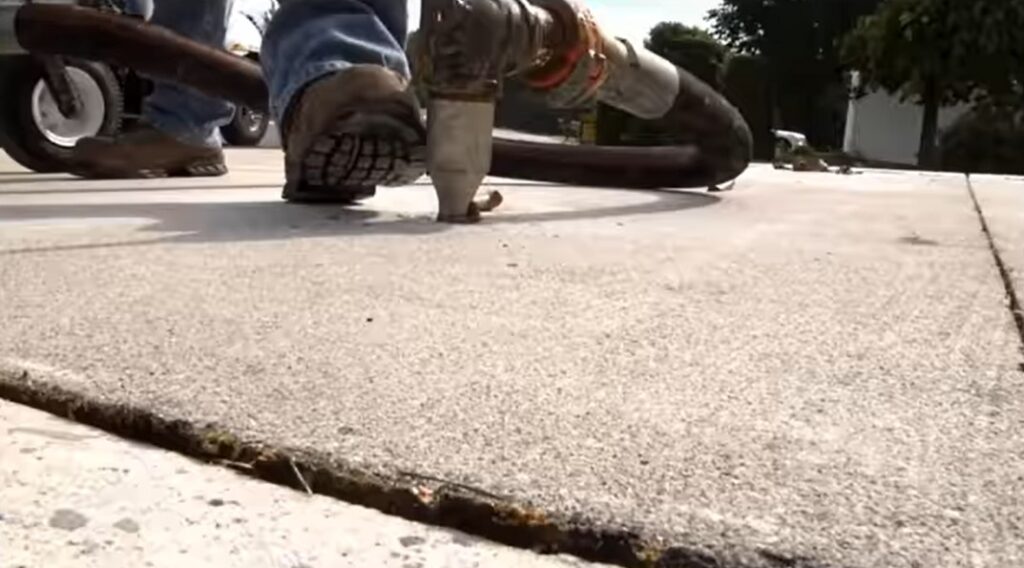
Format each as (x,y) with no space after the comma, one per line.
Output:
(76,497)
(812,367)
(1001,199)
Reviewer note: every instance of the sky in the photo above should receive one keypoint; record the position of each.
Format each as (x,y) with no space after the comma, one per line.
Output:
(631,19)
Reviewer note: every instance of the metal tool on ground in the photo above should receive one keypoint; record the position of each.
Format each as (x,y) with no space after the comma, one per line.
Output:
(560,50)
(471,45)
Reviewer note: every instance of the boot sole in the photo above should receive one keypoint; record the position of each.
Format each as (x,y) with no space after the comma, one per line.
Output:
(197,169)
(208,169)
(364,150)
(300,193)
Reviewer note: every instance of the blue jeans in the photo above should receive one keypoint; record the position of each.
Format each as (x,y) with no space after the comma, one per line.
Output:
(306,40)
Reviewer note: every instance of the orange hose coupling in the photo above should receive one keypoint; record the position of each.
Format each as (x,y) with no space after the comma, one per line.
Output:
(572,76)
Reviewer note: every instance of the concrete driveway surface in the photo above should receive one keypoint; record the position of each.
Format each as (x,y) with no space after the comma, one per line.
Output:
(75,497)
(811,370)
(1001,200)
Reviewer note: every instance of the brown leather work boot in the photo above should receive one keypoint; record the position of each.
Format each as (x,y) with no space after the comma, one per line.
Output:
(145,152)
(349,132)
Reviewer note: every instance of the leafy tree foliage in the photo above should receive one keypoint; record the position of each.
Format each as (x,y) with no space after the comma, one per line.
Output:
(989,139)
(747,86)
(937,52)
(800,42)
(743,79)
(691,48)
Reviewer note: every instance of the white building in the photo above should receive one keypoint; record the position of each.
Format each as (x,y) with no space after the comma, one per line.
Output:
(881,128)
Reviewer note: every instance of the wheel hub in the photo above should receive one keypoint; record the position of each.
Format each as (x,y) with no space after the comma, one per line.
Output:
(252,120)
(67,131)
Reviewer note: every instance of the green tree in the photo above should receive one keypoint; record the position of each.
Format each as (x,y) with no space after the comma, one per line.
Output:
(988,139)
(747,86)
(740,77)
(691,48)
(800,42)
(939,52)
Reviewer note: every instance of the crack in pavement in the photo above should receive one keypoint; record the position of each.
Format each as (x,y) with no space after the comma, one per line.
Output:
(1005,273)
(441,503)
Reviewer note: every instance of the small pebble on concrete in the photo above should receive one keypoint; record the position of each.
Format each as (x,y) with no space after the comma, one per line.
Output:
(68,520)
(127,525)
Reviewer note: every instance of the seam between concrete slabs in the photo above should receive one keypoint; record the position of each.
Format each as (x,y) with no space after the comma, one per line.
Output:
(1005,274)
(442,504)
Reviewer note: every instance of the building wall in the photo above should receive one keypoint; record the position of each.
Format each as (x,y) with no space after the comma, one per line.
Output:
(880,127)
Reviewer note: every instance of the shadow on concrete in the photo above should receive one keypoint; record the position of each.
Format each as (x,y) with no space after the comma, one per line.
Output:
(142,188)
(27,177)
(40,178)
(268,221)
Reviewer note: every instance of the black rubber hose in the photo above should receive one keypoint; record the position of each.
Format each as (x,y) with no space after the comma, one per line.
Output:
(721,140)
(56,29)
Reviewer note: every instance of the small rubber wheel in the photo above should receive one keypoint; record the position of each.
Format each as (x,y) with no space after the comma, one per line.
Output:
(247,128)
(32,129)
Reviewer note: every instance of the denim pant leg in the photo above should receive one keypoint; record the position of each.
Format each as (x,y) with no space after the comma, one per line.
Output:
(179,111)
(311,38)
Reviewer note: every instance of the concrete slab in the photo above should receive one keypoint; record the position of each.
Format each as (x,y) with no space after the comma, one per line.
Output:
(76,497)
(812,368)
(1002,201)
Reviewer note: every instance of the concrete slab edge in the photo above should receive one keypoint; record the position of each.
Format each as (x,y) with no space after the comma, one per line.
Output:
(416,498)
(1005,273)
